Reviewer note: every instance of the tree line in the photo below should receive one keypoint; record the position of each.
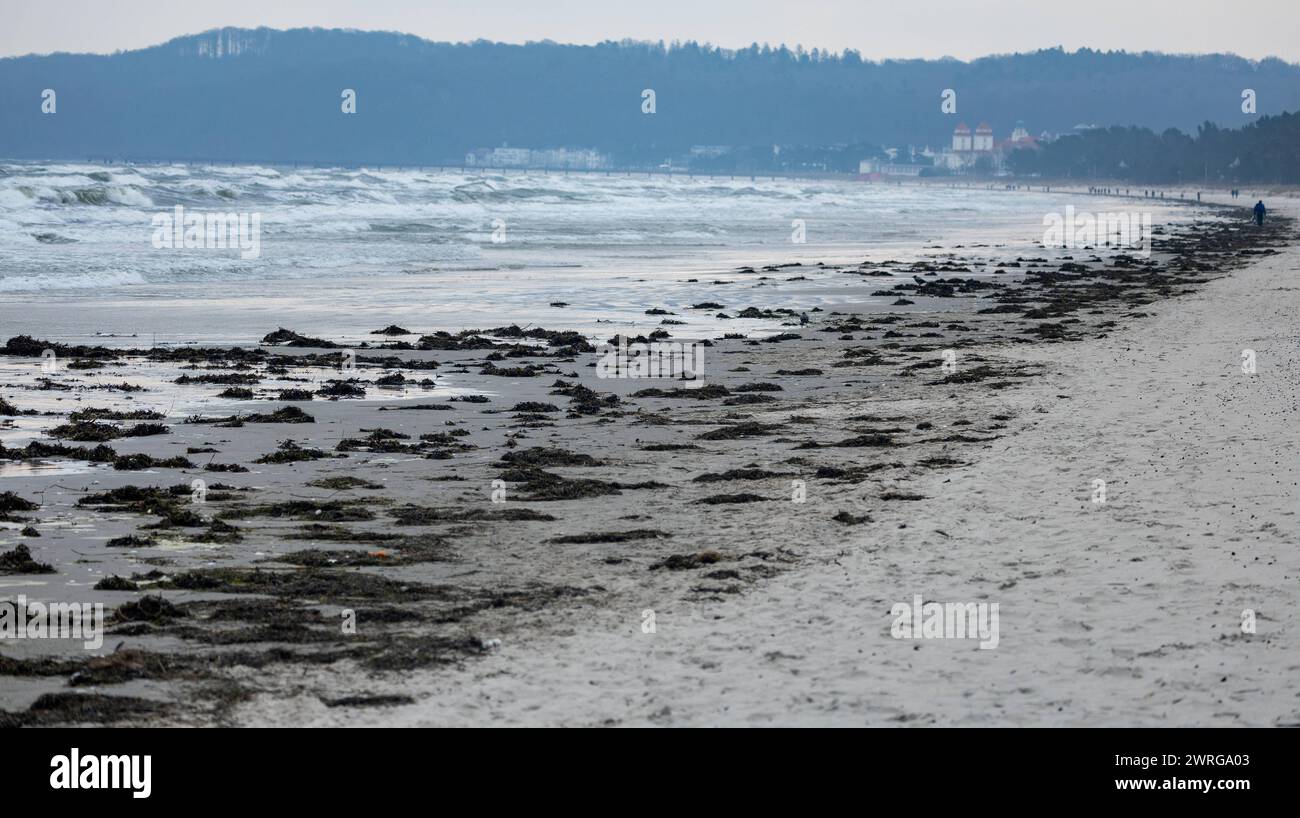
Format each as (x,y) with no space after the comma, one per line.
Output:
(1265,151)
(263,94)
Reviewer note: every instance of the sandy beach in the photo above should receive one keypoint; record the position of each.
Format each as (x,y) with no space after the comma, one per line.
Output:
(542,546)
(1126,614)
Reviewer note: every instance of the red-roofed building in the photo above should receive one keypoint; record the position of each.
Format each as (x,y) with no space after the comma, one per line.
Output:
(965,143)
(968,147)
(961,139)
(1020,138)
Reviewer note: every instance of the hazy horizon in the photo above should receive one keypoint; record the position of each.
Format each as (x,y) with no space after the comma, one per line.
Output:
(940,28)
(774,45)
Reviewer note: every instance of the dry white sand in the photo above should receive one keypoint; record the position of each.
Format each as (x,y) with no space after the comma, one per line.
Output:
(1127,613)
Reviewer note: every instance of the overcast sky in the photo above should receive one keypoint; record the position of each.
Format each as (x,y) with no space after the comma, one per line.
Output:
(893,28)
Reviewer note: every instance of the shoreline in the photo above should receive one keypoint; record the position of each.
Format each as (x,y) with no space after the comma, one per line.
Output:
(344,305)
(487,611)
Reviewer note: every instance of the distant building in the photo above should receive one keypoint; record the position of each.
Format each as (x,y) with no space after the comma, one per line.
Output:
(961,139)
(1020,139)
(969,150)
(969,147)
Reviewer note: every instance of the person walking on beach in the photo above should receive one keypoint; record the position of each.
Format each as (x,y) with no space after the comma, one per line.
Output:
(1260,210)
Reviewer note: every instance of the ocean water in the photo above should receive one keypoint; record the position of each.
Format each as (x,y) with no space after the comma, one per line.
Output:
(345,251)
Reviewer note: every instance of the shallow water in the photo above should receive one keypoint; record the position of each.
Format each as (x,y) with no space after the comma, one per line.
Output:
(344,252)
(42,468)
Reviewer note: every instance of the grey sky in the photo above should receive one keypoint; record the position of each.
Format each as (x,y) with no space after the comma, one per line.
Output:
(894,28)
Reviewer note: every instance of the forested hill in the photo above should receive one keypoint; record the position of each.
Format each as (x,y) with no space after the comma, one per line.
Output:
(1265,151)
(276,95)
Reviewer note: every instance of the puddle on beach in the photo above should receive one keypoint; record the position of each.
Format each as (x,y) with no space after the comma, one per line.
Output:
(42,468)
(22,583)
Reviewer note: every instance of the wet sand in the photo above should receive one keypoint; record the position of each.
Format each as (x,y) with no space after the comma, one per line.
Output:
(972,482)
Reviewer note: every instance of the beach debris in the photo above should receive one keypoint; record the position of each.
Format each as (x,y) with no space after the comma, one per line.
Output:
(286,337)
(686,562)
(116,583)
(609,537)
(851,519)
(19,561)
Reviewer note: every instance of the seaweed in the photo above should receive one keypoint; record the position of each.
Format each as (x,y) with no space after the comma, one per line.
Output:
(19,561)
(343,483)
(7,409)
(139,462)
(73,708)
(333,511)
(392,700)
(541,457)
(326,585)
(92,414)
(10,502)
(708,392)
(291,452)
(420,515)
(738,474)
(609,536)
(729,499)
(871,440)
(740,430)
(116,583)
(851,519)
(130,541)
(541,485)
(342,389)
(37,450)
(534,407)
(686,562)
(92,432)
(286,337)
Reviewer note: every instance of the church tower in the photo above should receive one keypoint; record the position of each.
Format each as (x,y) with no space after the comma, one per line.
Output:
(961,139)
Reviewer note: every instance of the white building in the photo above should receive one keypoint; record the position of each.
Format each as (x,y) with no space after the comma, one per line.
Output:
(968,147)
(961,139)
(979,142)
